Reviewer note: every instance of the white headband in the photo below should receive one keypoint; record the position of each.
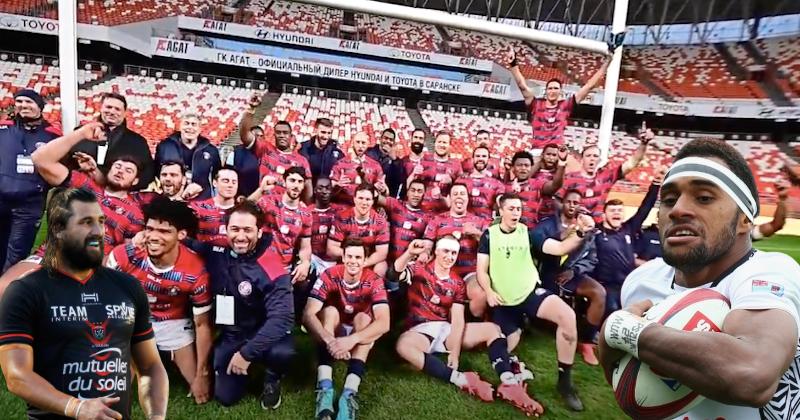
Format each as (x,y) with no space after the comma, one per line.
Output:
(449,244)
(721,176)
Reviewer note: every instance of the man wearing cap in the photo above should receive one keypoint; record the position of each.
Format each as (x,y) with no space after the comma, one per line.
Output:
(21,188)
(746,368)
(121,141)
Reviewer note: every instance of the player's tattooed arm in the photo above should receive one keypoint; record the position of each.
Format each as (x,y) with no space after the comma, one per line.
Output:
(757,348)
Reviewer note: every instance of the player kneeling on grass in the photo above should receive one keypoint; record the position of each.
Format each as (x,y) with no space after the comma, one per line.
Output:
(174,278)
(507,274)
(347,311)
(437,325)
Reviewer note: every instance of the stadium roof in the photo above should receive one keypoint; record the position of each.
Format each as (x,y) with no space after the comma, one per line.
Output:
(640,12)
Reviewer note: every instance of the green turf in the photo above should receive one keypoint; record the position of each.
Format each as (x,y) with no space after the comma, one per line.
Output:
(392,391)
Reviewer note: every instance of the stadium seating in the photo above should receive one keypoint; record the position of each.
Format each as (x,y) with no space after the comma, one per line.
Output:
(349,117)
(582,65)
(508,134)
(21,6)
(692,71)
(495,48)
(156,105)
(741,55)
(785,54)
(120,12)
(294,17)
(40,77)
(400,33)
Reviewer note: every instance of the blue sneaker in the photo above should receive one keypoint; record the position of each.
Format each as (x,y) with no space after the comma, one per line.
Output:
(324,410)
(348,406)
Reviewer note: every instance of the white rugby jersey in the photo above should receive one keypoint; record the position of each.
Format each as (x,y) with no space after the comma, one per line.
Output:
(767,280)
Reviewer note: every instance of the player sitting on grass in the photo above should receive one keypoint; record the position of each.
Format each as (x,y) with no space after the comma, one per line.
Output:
(437,325)
(347,311)
(507,274)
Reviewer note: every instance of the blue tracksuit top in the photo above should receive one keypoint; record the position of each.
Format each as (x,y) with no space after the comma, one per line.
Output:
(16,140)
(615,248)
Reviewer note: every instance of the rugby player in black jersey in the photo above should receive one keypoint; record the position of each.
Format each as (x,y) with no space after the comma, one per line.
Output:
(71,331)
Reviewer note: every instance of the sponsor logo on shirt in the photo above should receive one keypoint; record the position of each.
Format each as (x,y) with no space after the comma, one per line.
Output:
(761,286)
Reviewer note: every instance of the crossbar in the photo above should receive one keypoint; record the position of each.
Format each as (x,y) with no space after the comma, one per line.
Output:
(437,17)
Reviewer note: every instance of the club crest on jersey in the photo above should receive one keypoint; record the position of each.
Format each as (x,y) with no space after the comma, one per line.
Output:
(98,336)
(38,145)
(245,288)
(206,155)
(98,332)
(761,286)
(173,291)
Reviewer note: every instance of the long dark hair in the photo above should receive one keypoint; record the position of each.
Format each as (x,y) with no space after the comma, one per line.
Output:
(59,211)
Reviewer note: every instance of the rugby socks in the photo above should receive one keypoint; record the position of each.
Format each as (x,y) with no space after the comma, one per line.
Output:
(435,367)
(564,376)
(325,369)
(498,357)
(355,371)
(324,377)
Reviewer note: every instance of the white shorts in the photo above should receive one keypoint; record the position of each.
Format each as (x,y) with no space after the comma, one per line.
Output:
(344,330)
(470,276)
(173,334)
(319,265)
(438,331)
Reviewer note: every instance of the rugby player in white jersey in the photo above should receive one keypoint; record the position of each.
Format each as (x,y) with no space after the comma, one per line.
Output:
(751,369)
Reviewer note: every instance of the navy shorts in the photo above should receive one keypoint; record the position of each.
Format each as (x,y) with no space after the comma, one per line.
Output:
(512,318)
(569,288)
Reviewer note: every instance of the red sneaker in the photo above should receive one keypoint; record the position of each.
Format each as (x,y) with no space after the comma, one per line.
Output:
(587,352)
(517,395)
(478,387)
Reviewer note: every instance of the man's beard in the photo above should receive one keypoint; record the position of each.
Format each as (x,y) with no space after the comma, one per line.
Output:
(283,146)
(701,256)
(417,148)
(115,186)
(77,256)
(170,189)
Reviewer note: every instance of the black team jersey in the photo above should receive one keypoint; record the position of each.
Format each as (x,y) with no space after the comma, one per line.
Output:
(81,331)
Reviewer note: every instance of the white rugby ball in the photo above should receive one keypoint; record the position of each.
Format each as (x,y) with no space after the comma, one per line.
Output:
(644,394)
